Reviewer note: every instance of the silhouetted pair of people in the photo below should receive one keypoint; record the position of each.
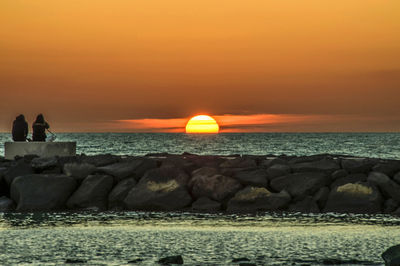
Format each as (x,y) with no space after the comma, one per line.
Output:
(20,129)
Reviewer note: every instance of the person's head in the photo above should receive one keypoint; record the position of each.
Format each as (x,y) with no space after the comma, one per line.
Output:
(39,118)
(20,118)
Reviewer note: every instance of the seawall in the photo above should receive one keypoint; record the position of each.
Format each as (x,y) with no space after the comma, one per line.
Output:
(189,182)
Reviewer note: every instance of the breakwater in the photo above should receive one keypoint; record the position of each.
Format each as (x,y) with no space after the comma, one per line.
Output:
(189,182)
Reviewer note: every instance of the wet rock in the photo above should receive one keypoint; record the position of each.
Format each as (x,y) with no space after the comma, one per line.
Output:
(278,170)
(43,163)
(256,178)
(390,206)
(354,198)
(240,260)
(73,261)
(135,261)
(396,212)
(217,187)
(339,174)
(397,178)
(205,171)
(6,204)
(41,192)
(391,256)
(388,168)
(239,162)
(171,260)
(252,199)
(164,174)
(352,178)
(206,204)
(300,185)
(176,161)
(100,160)
(321,197)
(93,192)
(307,205)
(120,170)
(356,165)
(119,193)
(79,170)
(267,163)
(346,262)
(389,188)
(327,166)
(159,190)
(20,168)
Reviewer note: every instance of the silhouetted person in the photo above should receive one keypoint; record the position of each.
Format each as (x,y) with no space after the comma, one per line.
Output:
(20,129)
(39,129)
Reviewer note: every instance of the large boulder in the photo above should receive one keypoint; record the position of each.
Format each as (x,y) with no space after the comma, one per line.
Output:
(252,199)
(6,204)
(92,193)
(166,173)
(100,160)
(79,170)
(327,166)
(239,162)
(357,165)
(256,177)
(354,198)
(391,256)
(129,168)
(206,204)
(119,193)
(396,178)
(321,197)
(20,168)
(339,174)
(388,168)
(307,205)
(300,185)
(41,192)
(277,170)
(205,171)
(351,178)
(43,163)
(388,187)
(216,187)
(390,206)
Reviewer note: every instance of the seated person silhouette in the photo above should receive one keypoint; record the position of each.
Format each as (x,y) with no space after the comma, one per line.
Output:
(19,129)
(39,129)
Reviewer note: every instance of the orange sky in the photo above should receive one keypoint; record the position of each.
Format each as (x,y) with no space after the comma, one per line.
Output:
(290,65)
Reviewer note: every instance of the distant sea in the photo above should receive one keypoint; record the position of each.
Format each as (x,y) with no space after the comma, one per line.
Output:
(378,145)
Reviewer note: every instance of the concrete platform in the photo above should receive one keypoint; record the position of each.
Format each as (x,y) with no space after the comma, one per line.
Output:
(42,149)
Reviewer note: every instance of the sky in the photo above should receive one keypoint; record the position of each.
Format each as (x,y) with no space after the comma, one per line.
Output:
(254,65)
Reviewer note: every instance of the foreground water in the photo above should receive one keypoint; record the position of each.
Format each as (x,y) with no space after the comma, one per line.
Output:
(201,239)
(378,145)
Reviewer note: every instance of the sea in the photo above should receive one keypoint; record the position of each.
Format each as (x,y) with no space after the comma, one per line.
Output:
(142,238)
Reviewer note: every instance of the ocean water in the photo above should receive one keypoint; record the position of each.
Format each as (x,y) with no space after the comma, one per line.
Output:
(201,239)
(378,145)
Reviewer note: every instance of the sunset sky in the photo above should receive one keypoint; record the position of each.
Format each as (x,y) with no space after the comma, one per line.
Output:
(254,65)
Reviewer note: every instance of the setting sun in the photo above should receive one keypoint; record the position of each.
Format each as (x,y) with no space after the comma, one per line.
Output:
(202,124)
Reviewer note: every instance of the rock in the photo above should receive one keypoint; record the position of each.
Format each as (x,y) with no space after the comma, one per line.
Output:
(119,193)
(252,199)
(42,163)
(6,204)
(20,168)
(205,171)
(267,163)
(176,161)
(171,260)
(321,197)
(396,212)
(239,162)
(100,160)
(391,256)
(144,166)
(390,206)
(73,261)
(397,178)
(277,170)
(326,166)
(121,170)
(256,178)
(167,173)
(352,178)
(354,198)
(389,188)
(339,174)
(93,192)
(300,185)
(159,191)
(217,187)
(356,165)
(4,190)
(135,261)
(240,260)
(389,168)
(307,205)
(206,204)
(311,158)
(41,192)
(79,170)
(330,261)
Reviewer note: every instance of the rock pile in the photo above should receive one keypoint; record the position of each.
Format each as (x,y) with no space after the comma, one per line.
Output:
(165,182)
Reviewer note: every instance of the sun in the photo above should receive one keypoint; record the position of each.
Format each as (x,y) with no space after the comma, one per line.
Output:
(202,124)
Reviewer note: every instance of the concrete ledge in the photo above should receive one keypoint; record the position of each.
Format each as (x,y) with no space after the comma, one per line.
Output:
(42,149)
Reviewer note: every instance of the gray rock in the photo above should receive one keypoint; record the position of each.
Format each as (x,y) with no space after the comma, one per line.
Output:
(239,162)
(396,212)
(256,178)
(100,160)
(278,170)
(397,178)
(300,185)
(389,188)
(327,166)
(42,163)
(121,170)
(390,206)
(41,192)
(119,193)
(217,187)
(391,256)
(352,178)
(252,199)
(167,173)
(307,205)
(171,260)
(311,158)
(321,197)
(206,204)
(354,198)
(267,163)
(205,171)
(20,168)
(79,170)
(357,165)
(6,204)
(339,174)
(389,168)
(92,193)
